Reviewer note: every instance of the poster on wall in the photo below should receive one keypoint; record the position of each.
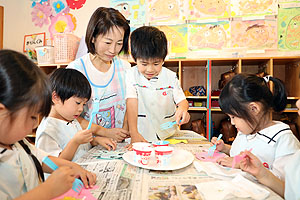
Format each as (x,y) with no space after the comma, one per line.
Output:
(254,34)
(253,8)
(133,10)
(166,12)
(288,29)
(209,36)
(33,40)
(177,37)
(197,10)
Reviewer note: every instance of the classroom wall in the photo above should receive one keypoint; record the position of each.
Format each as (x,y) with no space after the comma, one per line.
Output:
(18,21)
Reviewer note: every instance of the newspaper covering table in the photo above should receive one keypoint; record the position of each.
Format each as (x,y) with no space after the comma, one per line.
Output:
(117,180)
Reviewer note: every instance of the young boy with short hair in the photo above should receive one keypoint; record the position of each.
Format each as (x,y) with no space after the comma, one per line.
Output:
(60,133)
(153,93)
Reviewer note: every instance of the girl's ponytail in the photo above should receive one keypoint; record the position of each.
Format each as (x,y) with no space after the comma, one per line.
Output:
(279,95)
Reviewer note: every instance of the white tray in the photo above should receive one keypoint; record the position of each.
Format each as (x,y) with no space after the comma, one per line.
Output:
(179,159)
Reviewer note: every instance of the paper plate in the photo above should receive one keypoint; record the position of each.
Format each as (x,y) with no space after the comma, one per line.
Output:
(180,159)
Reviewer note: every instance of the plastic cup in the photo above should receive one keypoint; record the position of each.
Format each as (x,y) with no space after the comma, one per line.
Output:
(163,155)
(161,143)
(142,152)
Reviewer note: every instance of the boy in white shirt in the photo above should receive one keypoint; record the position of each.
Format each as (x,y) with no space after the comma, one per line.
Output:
(60,134)
(153,92)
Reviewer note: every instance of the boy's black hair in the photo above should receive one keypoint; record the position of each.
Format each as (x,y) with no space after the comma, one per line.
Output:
(101,22)
(148,42)
(67,83)
(246,88)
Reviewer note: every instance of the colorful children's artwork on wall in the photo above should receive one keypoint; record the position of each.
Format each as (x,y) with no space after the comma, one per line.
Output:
(253,7)
(209,36)
(255,34)
(133,10)
(177,37)
(166,11)
(202,9)
(57,13)
(75,4)
(62,23)
(289,29)
(289,1)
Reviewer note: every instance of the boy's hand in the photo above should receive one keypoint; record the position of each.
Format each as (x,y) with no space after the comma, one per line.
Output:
(117,134)
(108,143)
(83,137)
(182,115)
(219,144)
(60,181)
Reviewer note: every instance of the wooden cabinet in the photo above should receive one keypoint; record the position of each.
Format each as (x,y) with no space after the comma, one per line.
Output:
(207,72)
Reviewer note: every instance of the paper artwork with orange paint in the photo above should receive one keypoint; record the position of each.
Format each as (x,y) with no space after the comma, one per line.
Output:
(289,1)
(209,36)
(253,7)
(289,29)
(133,10)
(166,11)
(255,34)
(62,23)
(72,195)
(202,9)
(177,37)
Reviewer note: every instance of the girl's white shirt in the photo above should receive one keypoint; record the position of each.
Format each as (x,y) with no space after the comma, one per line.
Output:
(292,178)
(274,146)
(18,173)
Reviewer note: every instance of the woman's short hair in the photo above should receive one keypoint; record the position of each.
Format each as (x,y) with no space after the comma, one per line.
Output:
(102,20)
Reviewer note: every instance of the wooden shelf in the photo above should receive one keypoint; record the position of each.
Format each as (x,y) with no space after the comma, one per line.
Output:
(195,72)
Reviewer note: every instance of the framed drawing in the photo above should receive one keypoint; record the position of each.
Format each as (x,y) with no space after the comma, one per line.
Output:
(33,40)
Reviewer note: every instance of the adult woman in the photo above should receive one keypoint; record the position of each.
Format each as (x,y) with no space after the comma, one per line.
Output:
(106,37)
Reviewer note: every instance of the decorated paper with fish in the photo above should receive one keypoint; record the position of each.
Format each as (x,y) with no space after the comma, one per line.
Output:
(207,9)
(209,36)
(177,37)
(166,11)
(133,10)
(255,34)
(289,29)
(289,1)
(253,8)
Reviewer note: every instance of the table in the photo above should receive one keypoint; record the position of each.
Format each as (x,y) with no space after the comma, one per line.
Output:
(118,180)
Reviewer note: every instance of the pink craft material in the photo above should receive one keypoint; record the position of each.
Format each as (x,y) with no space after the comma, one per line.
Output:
(238,158)
(203,156)
(84,194)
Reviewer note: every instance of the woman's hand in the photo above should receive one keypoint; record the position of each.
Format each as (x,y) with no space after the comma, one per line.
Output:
(117,134)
